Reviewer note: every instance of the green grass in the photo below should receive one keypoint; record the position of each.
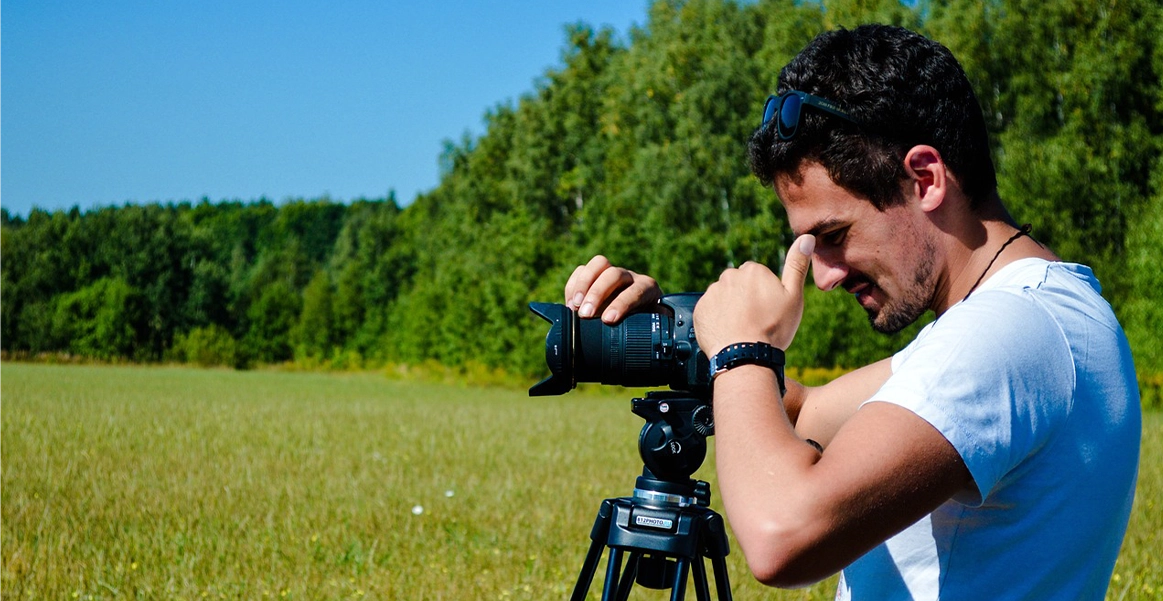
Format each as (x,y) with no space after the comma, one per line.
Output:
(170,483)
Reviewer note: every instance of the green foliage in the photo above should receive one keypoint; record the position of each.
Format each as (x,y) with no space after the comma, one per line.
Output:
(633,148)
(95,321)
(207,346)
(1151,391)
(1079,136)
(1142,309)
(850,13)
(315,333)
(272,317)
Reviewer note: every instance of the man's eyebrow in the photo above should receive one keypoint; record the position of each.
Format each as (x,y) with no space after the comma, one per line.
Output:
(821,226)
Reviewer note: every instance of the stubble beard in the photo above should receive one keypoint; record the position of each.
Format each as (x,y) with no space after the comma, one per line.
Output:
(899,313)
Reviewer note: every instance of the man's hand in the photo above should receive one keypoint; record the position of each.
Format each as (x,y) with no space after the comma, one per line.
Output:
(750,304)
(599,288)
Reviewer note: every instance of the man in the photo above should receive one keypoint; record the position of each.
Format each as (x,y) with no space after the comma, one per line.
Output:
(993,458)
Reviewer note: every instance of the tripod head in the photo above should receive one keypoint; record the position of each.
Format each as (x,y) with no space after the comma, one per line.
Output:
(673,444)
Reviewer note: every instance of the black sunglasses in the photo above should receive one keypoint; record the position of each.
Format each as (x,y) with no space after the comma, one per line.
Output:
(790,105)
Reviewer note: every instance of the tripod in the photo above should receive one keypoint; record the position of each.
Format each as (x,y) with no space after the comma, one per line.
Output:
(667,527)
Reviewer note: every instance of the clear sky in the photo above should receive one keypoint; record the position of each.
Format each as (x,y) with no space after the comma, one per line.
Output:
(165,100)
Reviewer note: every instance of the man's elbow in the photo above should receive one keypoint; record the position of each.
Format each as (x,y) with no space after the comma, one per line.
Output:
(787,574)
(783,558)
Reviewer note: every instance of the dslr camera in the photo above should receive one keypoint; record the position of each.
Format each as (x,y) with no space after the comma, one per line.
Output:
(650,348)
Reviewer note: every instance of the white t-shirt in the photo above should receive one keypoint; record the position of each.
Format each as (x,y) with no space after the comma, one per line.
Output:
(1032,381)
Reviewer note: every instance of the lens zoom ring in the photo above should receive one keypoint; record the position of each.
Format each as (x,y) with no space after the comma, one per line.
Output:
(638,353)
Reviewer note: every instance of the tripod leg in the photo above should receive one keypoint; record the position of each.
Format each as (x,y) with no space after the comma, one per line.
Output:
(613,566)
(722,585)
(628,576)
(681,571)
(702,589)
(599,535)
(589,567)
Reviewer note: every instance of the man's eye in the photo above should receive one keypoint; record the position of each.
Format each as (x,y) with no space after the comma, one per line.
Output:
(835,237)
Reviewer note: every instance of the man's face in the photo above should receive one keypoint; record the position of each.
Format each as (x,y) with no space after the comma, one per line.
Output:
(883,258)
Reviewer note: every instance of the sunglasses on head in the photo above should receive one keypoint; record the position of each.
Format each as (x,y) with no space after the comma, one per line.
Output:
(789,106)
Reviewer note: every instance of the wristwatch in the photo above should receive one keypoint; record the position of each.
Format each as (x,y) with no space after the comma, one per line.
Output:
(750,353)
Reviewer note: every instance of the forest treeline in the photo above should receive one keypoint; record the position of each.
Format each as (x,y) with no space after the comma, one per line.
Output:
(632,147)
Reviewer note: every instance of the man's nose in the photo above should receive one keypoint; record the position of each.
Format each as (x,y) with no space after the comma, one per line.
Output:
(827,274)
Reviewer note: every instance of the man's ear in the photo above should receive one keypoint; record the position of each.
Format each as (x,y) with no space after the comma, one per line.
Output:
(929,177)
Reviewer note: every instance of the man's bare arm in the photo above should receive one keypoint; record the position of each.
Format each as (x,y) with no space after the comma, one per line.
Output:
(800,516)
(818,412)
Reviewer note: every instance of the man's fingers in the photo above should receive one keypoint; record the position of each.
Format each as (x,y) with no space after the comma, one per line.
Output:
(582,280)
(599,288)
(795,266)
(643,291)
(572,293)
(603,291)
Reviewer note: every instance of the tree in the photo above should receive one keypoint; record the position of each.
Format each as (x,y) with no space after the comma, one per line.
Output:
(314,335)
(1080,125)
(272,317)
(97,320)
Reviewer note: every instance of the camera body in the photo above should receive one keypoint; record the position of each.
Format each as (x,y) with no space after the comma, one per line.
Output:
(651,348)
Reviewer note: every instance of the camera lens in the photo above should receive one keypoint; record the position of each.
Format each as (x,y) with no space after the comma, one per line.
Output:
(652,348)
(629,353)
(633,352)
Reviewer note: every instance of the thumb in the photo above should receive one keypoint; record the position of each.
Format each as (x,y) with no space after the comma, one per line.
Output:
(795,266)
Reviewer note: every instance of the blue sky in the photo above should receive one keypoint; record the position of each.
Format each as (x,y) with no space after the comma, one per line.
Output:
(139,101)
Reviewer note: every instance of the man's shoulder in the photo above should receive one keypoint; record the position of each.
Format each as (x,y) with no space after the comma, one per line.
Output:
(1069,294)
(1004,328)
(1036,275)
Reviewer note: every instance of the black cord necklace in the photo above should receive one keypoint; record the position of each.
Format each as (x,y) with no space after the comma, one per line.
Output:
(1023,231)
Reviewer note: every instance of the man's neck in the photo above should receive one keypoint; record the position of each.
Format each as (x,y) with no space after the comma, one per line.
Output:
(980,250)
(1003,243)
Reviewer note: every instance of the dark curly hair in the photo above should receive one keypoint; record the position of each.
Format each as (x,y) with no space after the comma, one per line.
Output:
(903,90)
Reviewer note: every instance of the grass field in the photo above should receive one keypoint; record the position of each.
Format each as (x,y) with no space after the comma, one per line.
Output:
(173,483)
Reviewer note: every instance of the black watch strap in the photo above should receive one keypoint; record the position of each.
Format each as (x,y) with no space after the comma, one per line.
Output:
(750,353)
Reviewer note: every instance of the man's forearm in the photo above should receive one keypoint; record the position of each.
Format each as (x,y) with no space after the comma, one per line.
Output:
(818,412)
(761,463)
(793,400)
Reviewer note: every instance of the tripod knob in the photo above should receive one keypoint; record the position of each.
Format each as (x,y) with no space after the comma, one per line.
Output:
(703,420)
